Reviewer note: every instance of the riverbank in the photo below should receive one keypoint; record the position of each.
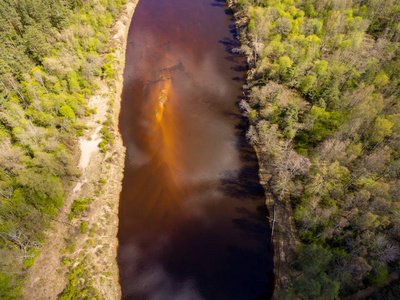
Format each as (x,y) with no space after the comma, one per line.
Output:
(83,245)
(283,237)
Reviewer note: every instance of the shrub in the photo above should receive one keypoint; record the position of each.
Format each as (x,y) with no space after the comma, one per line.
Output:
(83,228)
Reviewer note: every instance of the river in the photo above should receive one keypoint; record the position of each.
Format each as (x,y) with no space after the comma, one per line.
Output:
(193,222)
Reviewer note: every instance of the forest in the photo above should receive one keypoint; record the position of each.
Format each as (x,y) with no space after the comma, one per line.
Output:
(324,104)
(50,53)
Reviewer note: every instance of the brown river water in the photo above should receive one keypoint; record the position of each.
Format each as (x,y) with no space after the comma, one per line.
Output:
(193,223)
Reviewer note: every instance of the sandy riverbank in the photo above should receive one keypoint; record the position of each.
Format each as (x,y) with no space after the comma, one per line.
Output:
(101,181)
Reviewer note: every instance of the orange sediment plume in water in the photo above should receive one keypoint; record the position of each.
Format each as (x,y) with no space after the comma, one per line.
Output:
(163,202)
(167,130)
(162,99)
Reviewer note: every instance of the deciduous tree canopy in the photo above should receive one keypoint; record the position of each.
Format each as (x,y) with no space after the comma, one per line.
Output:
(324,82)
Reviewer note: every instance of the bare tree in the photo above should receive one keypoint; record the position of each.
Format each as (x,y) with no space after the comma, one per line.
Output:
(332,149)
(287,167)
(39,78)
(245,107)
(383,249)
(252,135)
(21,241)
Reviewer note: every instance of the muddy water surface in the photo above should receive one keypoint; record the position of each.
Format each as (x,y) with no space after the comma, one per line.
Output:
(192,215)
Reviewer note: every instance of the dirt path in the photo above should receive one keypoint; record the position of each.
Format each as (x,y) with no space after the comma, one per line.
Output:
(101,180)
(363,294)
